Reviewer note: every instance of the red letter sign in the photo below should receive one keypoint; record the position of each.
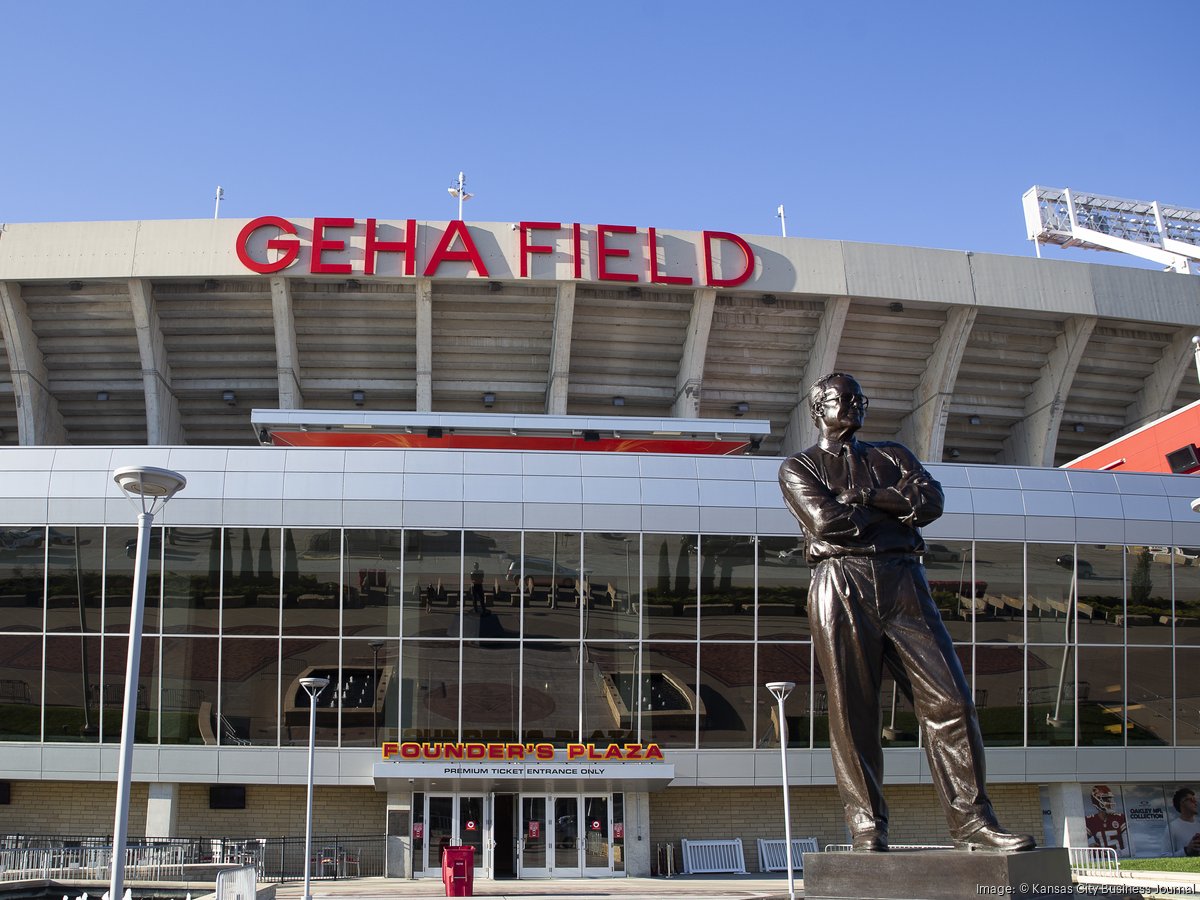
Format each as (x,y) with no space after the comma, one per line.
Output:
(289,246)
(408,247)
(320,244)
(747,254)
(603,252)
(657,276)
(469,254)
(527,248)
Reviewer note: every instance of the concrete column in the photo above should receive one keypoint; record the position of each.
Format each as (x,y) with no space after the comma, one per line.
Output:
(924,429)
(424,297)
(1067,812)
(287,358)
(164,425)
(690,376)
(800,431)
(1033,439)
(559,380)
(39,420)
(639,851)
(398,859)
(162,810)
(1157,396)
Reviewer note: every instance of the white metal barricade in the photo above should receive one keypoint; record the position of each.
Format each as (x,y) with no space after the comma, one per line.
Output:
(704,857)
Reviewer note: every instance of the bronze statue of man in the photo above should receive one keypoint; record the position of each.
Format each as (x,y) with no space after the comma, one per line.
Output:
(861,506)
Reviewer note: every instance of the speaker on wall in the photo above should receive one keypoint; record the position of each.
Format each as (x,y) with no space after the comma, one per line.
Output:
(1184,460)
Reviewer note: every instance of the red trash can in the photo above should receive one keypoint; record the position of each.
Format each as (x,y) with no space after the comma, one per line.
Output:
(458,871)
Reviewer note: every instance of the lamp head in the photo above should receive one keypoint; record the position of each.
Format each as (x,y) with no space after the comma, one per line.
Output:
(149,484)
(781,689)
(314,684)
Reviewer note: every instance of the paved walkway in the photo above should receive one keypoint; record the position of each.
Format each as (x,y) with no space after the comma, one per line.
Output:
(709,887)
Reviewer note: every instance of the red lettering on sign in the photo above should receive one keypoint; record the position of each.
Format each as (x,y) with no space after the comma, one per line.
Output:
(527,248)
(469,253)
(747,255)
(577,248)
(408,247)
(657,276)
(603,251)
(289,246)
(320,244)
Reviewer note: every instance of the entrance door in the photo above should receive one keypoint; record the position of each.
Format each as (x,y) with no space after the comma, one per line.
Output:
(564,838)
(505,837)
(534,841)
(452,820)
(597,827)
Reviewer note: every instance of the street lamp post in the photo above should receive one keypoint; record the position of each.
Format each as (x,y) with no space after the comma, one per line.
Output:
(148,488)
(313,685)
(780,690)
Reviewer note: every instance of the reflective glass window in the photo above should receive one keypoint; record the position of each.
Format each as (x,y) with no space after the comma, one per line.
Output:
(1100,689)
(312,567)
(429,690)
(491,691)
(432,583)
(998,685)
(996,595)
(1148,709)
(610,698)
(949,566)
(783,578)
(1051,695)
(784,662)
(550,700)
(1050,580)
(75,569)
(22,570)
(551,584)
(120,557)
(668,691)
(1148,608)
(492,606)
(371,591)
(727,587)
(316,659)
(610,586)
(250,586)
(249,707)
(726,695)
(20,687)
(189,690)
(191,580)
(670,586)
(72,689)
(110,692)
(1187,696)
(1187,596)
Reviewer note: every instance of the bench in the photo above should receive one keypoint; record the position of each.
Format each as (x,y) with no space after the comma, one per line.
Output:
(710,857)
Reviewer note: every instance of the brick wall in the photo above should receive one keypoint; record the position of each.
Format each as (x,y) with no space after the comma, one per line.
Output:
(751,813)
(86,808)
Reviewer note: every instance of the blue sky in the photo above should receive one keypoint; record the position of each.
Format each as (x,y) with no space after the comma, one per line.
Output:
(913,123)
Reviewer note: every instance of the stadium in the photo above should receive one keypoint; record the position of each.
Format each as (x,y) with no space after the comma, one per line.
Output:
(513,485)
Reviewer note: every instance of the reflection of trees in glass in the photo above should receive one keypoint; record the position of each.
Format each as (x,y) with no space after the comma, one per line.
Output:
(1140,582)
(682,566)
(664,569)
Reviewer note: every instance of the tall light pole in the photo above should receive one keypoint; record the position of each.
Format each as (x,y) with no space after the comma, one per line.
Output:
(780,690)
(459,190)
(779,214)
(217,206)
(148,488)
(313,685)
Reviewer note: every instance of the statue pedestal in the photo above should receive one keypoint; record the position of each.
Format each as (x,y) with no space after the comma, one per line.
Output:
(937,875)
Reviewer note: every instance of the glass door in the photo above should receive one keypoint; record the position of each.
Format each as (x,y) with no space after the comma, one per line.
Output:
(451,820)
(534,841)
(564,838)
(597,827)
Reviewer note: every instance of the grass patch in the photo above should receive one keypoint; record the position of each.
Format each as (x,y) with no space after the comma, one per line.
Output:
(1164,864)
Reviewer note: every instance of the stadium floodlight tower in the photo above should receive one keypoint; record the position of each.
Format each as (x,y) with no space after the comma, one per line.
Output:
(459,190)
(1168,235)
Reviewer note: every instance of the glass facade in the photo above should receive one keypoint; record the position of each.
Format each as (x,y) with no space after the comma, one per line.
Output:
(445,635)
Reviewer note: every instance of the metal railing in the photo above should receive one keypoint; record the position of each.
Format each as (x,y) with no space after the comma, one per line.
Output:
(88,858)
(1090,861)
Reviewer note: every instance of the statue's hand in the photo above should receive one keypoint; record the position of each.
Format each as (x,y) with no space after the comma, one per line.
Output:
(856,497)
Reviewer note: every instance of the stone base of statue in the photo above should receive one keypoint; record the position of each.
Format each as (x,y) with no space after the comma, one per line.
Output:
(937,875)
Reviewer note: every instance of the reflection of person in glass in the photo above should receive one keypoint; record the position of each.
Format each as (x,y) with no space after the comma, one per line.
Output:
(1185,830)
(861,505)
(477,604)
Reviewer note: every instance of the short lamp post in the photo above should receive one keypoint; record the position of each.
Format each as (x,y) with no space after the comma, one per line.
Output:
(148,488)
(313,686)
(780,690)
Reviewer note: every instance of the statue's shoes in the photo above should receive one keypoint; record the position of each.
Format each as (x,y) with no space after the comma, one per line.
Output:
(871,842)
(994,839)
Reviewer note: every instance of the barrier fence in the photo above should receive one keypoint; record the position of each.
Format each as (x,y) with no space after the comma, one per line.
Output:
(88,858)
